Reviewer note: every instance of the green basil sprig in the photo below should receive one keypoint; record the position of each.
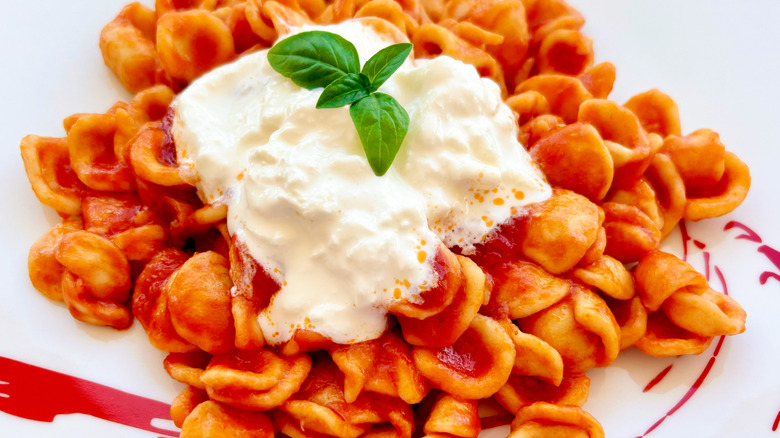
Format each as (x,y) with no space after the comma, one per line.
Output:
(322,59)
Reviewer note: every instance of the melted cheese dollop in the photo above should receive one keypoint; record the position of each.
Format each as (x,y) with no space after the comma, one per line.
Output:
(342,242)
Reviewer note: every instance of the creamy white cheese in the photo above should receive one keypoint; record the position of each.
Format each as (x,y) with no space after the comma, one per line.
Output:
(342,242)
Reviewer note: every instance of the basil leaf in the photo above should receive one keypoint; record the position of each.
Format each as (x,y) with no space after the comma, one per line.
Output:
(344,91)
(314,59)
(385,62)
(381,123)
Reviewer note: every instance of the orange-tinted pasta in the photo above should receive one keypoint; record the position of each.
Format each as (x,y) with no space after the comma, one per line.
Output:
(546,297)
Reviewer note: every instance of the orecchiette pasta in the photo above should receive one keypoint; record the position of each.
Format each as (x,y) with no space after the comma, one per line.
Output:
(47,163)
(150,301)
(473,367)
(521,391)
(544,297)
(95,279)
(452,417)
(181,37)
(549,420)
(581,328)
(213,420)
(384,366)
(256,380)
(45,271)
(198,295)
(128,47)
(575,158)
(320,408)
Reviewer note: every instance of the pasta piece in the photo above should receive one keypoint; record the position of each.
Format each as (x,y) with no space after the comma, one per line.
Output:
(657,112)
(631,316)
(452,417)
(313,8)
(260,24)
(382,365)
(185,403)
(321,409)
(141,243)
(565,51)
(384,27)
(162,7)
(126,222)
(193,42)
(642,196)
(501,17)
(128,49)
(576,158)
(659,274)
(475,35)
(630,232)
(661,278)
(523,288)
(546,16)
(599,79)
(244,37)
(92,155)
(607,275)
(109,214)
(47,164)
(283,17)
(669,189)
(143,18)
(581,328)
(96,280)
(475,366)
(433,301)
(707,314)
(434,9)
(253,291)
(151,157)
(699,158)
(558,232)
(198,295)
(534,357)
(445,327)
(255,380)
(553,421)
(44,269)
(388,10)
(716,181)
(527,106)
(565,94)
(341,10)
(521,391)
(213,420)
(187,367)
(306,340)
(150,302)
(631,149)
(148,105)
(596,251)
(664,339)
(431,40)
(176,208)
(538,127)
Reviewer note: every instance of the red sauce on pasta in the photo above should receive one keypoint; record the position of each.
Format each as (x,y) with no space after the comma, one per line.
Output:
(467,356)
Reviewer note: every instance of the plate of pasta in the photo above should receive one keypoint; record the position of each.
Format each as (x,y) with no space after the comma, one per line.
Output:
(600,258)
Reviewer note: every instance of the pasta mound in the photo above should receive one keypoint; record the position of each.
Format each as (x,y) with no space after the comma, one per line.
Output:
(547,297)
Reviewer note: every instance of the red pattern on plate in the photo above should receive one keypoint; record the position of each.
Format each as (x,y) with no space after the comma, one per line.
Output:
(40,394)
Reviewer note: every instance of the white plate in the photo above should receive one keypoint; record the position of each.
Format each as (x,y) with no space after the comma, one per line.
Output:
(719,60)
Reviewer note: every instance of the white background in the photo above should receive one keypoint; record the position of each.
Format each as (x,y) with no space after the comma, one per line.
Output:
(718,59)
